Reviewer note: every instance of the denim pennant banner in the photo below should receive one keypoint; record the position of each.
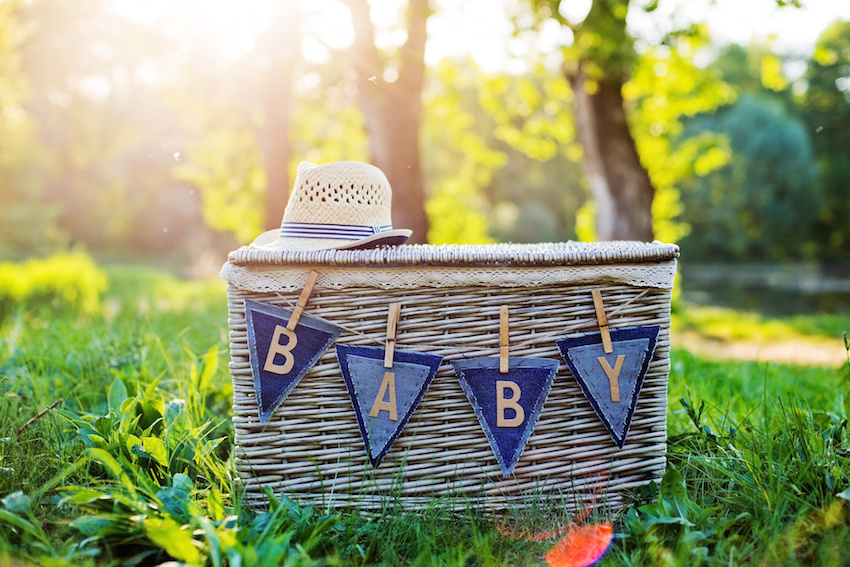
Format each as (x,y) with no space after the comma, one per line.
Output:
(611,382)
(384,398)
(507,404)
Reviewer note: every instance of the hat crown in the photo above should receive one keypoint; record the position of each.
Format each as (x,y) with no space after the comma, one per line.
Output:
(346,192)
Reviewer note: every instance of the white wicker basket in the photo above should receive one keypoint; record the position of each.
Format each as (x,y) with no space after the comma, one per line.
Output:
(311,448)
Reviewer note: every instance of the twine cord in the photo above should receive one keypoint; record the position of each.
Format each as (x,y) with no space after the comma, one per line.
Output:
(538,338)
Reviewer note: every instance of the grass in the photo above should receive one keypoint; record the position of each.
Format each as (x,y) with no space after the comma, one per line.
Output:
(726,324)
(133,465)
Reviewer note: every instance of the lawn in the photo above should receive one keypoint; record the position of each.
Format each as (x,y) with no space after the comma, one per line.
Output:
(132,463)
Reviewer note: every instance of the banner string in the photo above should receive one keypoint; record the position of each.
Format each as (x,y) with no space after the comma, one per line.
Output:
(538,337)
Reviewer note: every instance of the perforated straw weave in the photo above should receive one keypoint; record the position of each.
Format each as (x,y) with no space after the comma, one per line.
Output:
(311,448)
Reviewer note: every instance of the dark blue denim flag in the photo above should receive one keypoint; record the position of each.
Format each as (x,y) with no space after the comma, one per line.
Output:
(384,398)
(280,358)
(507,405)
(600,374)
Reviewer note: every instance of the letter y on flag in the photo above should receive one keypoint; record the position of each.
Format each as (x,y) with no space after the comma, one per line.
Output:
(611,382)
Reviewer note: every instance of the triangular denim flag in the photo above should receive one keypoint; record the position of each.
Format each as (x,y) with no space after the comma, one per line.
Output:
(279,357)
(507,405)
(611,382)
(384,398)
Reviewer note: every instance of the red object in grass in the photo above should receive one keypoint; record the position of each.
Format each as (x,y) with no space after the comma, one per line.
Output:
(582,546)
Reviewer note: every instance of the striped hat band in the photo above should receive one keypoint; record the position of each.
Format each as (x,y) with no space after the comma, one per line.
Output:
(330,231)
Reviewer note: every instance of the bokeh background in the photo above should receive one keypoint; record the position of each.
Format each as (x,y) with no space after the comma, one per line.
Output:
(169,132)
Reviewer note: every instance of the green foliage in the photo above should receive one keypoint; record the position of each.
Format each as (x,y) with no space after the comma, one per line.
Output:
(105,143)
(494,143)
(667,89)
(65,281)
(779,472)
(675,529)
(26,220)
(586,222)
(159,490)
(756,477)
(532,112)
(826,112)
(147,436)
(536,194)
(227,167)
(730,325)
(763,203)
(327,124)
(461,162)
(601,46)
(226,161)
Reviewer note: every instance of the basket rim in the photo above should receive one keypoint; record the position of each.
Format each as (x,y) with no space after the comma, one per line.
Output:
(570,253)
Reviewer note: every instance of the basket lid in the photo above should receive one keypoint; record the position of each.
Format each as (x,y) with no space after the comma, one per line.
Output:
(462,255)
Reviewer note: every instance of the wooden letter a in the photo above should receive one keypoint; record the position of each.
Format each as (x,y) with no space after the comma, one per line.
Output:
(388,383)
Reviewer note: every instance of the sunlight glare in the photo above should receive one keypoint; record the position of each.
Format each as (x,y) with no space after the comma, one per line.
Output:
(480,29)
(229,26)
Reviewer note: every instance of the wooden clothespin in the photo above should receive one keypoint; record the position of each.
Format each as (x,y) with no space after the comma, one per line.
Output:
(503,340)
(392,323)
(603,321)
(302,300)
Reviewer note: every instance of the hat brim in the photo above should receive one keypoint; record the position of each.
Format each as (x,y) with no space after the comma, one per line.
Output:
(271,240)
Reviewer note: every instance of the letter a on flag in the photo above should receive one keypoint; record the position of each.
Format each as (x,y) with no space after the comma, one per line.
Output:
(384,398)
(611,382)
(281,357)
(507,404)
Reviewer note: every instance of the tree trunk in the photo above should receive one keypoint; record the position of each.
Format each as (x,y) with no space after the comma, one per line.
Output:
(393,111)
(280,45)
(619,183)
(597,66)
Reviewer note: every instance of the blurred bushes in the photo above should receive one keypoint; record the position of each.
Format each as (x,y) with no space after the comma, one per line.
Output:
(69,281)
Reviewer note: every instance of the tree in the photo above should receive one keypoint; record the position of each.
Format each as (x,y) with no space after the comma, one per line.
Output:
(390,96)
(108,138)
(597,65)
(766,201)
(25,222)
(826,110)
(629,112)
(242,152)
(665,92)
(459,160)
(538,192)
(279,43)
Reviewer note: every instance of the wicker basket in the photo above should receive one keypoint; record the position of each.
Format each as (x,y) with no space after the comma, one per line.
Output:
(311,449)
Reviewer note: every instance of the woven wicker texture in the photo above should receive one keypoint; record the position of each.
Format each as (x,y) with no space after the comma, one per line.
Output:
(545,254)
(311,447)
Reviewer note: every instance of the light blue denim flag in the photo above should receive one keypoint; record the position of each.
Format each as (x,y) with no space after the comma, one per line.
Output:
(599,373)
(384,398)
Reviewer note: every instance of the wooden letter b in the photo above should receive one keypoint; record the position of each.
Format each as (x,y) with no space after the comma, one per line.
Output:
(513,402)
(286,351)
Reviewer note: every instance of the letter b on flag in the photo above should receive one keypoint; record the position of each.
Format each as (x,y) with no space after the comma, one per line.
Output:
(503,404)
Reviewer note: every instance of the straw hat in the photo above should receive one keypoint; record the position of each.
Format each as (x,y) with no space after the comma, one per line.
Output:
(340,205)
